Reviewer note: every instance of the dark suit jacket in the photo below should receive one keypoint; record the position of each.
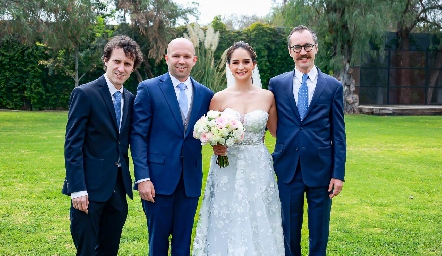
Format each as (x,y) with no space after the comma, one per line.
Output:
(318,142)
(162,149)
(93,145)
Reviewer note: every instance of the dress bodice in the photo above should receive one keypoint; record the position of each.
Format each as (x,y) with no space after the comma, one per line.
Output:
(254,124)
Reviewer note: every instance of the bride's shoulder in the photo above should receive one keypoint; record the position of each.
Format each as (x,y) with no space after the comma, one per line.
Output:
(266,93)
(219,97)
(223,93)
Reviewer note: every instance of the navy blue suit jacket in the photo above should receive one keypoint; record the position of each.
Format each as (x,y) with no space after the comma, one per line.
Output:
(93,145)
(318,142)
(162,149)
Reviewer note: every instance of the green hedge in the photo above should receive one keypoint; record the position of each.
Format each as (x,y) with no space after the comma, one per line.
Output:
(26,85)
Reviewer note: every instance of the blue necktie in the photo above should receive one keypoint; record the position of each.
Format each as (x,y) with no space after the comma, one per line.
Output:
(182,99)
(303,97)
(117,106)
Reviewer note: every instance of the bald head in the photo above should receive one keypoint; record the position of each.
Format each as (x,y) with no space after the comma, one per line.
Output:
(180,42)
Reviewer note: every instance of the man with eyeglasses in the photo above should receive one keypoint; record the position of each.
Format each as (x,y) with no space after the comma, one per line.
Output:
(310,151)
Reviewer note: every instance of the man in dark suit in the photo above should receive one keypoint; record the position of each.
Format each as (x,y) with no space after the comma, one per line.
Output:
(96,152)
(167,159)
(310,150)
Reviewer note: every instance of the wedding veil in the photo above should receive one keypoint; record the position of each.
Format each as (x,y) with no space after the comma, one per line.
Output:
(256,79)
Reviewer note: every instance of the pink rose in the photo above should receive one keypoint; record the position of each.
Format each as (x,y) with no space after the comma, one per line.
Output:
(206,137)
(221,122)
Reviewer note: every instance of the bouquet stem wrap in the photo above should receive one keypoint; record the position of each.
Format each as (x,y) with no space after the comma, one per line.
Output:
(222,161)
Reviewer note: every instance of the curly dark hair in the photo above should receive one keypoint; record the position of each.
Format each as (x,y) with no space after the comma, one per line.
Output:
(130,47)
(245,46)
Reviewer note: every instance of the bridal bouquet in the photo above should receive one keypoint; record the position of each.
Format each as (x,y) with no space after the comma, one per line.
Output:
(219,128)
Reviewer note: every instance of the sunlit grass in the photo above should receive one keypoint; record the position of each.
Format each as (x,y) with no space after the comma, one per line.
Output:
(390,204)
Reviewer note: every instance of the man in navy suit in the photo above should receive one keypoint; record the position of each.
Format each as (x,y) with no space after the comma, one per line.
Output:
(167,159)
(96,152)
(310,150)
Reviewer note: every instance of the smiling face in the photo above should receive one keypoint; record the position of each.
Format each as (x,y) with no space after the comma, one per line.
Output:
(118,67)
(180,58)
(241,64)
(304,61)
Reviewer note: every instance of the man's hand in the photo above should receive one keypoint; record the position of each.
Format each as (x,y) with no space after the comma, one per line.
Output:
(81,203)
(335,187)
(147,191)
(219,150)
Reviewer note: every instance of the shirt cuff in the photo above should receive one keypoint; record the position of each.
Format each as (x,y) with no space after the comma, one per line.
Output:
(78,194)
(139,181)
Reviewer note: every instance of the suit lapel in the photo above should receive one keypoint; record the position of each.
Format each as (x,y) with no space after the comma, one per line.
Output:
(107,98)
(166,87)
(196,105)
(125,109)
(320,86)
(289,92)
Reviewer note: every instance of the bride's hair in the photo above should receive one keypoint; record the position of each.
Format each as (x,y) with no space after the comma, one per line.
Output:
(256,79)
(245,46)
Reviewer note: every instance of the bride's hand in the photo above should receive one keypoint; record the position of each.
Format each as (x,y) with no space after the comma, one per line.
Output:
(219,150)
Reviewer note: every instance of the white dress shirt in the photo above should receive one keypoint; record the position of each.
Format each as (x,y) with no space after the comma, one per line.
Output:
(311,83)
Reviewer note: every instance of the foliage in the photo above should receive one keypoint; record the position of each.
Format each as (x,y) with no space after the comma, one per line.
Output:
(77,62)
(207,70)
(345,28)
(73,22)
(271,47)
(27,84)
(154,19)
(241,22)
(269,43)
(390,204)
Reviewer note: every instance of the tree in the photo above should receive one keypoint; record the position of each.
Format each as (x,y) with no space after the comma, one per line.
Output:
(154,22)
(345,29)
(241,22)
(419,16)
(65,26)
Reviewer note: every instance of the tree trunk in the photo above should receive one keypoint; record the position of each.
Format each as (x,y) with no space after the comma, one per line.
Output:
(403,63)
(351,99)
(434,75)
(148,69)
(77,81)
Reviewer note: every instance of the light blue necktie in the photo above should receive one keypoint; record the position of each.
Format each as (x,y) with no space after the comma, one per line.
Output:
(117,106)
(303,97)
(182,99)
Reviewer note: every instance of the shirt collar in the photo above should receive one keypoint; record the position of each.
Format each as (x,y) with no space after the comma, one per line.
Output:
(111,86)
(176,82)
(312,74)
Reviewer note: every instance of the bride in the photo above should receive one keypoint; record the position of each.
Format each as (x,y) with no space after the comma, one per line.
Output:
(241,212)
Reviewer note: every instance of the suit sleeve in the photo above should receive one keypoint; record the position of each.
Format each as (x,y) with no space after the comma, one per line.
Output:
(338,134)
(141,123)
(75,132)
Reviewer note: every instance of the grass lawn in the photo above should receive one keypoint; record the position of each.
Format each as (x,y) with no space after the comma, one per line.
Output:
(391,203)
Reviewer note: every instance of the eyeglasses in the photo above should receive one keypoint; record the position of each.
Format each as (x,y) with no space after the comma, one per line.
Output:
(298,48)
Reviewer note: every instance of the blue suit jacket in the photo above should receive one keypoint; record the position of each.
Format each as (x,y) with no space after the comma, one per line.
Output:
(161,148)
(93,145)
(318,142)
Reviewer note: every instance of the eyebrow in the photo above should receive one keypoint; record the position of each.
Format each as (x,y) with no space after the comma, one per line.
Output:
(242,59)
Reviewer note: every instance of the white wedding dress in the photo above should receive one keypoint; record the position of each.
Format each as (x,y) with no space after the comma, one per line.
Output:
(241,212)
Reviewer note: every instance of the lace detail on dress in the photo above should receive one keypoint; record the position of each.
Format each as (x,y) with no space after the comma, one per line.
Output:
(241,212)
